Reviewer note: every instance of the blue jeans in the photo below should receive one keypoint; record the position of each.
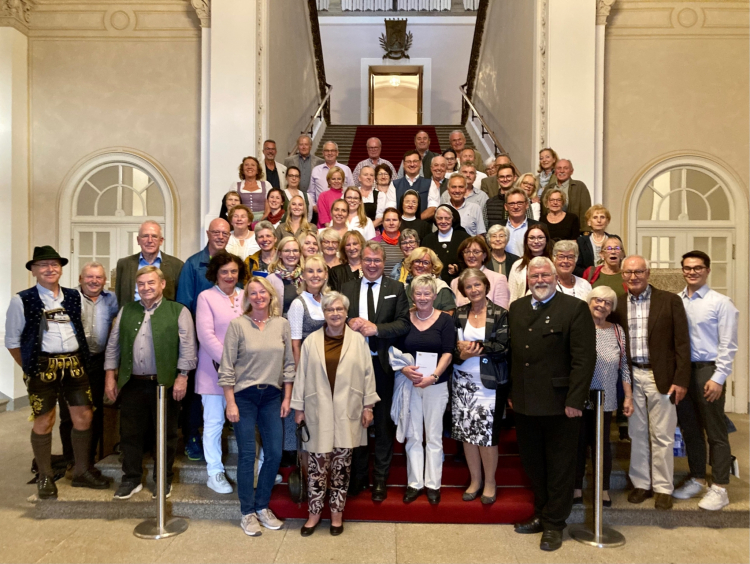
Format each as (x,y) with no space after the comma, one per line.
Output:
(261,407)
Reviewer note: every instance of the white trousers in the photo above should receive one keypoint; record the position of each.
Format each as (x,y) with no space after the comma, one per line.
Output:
(651,429)
(427,405)
(214,407)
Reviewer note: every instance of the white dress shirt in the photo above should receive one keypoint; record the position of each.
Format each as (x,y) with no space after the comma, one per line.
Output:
(363,313)
(712,322)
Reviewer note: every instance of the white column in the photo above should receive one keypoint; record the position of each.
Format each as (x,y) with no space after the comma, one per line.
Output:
(205,131)
(232,93)
(571,90)
(14,188)
(602,11)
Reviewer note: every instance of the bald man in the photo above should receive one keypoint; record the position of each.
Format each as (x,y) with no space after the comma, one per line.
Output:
(457,140)
(374,147)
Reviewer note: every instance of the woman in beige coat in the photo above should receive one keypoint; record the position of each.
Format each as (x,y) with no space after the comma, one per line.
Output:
(334,392)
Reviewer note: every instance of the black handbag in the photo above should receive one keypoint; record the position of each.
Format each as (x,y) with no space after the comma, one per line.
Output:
(297,482)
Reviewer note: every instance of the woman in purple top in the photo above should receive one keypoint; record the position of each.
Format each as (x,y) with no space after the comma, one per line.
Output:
(431,331)
(216,307)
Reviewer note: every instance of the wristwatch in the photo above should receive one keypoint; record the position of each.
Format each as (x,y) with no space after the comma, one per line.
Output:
(181,373)
(436,378)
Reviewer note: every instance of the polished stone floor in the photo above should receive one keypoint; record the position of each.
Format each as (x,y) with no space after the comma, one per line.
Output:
(25,539)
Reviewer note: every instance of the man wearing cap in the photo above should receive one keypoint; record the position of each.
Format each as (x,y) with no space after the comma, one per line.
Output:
(45,336)
(140,329)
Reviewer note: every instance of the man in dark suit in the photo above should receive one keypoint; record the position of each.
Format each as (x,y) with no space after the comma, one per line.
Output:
(489,185)
(657,328)
(412,181)
(579,198)
(422,146)
(150,240)
(379,310)
(553,354)
(304,161)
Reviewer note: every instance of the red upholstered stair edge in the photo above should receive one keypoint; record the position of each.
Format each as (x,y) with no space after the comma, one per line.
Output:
(514,503)
(396,139)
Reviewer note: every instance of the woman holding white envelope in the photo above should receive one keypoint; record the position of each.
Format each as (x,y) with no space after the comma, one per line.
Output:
(430,341)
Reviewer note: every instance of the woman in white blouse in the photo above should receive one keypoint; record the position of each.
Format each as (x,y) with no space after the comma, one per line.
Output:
(565,255)
(358,220)
(242,241)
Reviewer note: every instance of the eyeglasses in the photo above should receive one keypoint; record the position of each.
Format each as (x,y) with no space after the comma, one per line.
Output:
(408,242)
(541,276)
(541,239)
(473,253)
(426,262)
(334,310)
(515,204)
(292,175)
(219,233)
(696,269)
(565,257)
(505,177)
(373,261)
(555,201)
(611,249)
(602,301)
(636,273)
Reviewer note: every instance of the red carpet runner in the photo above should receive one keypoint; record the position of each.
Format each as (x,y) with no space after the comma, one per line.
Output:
(396,139)
(514,499)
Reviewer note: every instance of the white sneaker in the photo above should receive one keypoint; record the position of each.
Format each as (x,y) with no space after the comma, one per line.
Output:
(691,488)
(268,519)
(715,499)
(218,483)
(278,479)
(250,525)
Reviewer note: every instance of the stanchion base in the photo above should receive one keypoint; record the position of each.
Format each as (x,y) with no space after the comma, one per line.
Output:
(149,529)
(609,539)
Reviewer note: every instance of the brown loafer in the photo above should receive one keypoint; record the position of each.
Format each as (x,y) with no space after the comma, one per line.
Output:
(639,495)
(663,501)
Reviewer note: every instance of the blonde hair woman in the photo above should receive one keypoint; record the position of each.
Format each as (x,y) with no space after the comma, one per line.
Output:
(257,369)
(285,271)
(295,222)
(357,219)
(330,239)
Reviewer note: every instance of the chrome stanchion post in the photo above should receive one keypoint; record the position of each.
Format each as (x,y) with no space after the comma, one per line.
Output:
(600,536)
(161,528)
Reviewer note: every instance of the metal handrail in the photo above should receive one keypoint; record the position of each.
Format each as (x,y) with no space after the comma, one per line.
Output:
(317,115)
(499,150)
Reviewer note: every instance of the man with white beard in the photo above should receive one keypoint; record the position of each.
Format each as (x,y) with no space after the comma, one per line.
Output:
(553,354)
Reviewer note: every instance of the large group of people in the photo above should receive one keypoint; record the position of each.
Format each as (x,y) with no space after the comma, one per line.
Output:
(327,302)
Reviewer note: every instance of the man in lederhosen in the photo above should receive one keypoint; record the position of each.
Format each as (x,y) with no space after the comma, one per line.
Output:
(45,336)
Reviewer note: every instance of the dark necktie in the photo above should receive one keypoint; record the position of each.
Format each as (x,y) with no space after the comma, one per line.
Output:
(371,313)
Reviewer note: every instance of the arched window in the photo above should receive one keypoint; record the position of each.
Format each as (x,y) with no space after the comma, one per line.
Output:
(681,205)
(107,199)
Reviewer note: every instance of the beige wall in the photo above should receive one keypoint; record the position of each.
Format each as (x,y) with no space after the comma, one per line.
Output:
(137,87)
(504,90)
(671,91)
(293,83)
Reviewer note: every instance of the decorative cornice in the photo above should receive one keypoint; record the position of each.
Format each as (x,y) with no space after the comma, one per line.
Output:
(603,8)
(704,19)
(16,13)
(203,11)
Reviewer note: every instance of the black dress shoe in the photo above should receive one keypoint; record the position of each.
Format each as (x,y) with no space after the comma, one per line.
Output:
(639,495)
(46,488)
(578,500)
(529,527)
(433,496)
(379,491)
(307,531)
(551,540)
(412,493)
(606,503)
(356,487)
(88,480)
(336,531)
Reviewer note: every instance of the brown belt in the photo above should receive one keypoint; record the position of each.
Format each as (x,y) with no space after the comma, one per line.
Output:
(642,365)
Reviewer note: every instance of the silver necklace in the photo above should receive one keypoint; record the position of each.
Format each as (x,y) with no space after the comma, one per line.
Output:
(426,318)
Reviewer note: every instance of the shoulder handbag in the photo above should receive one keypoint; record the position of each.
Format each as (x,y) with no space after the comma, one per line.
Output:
(297,483)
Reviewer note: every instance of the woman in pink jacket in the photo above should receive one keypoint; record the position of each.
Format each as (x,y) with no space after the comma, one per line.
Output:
(216,308)
(474,253)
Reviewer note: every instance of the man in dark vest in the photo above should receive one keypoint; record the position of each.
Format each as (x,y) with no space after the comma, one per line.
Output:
(553,354)
(140,329)
(45,336)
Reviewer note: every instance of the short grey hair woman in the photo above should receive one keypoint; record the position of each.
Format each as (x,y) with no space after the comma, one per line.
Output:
(611,366)
(334,393)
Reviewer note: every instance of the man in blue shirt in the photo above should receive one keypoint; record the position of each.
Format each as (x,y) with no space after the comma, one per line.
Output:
(192,282)
(712,322)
